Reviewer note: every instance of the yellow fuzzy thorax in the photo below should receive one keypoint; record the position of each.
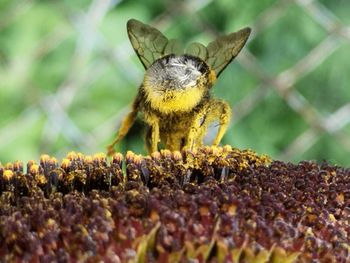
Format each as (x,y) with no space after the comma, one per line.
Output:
(183,100)
(175,101)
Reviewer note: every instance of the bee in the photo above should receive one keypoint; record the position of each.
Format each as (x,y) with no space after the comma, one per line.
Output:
(174,97)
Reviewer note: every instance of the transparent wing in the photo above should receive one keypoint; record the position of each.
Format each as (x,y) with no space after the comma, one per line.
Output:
(225,48)
(149,43)
(198,50)
(173,47)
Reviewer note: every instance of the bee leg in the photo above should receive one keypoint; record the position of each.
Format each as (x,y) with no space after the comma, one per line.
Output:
(211,112)
(152,135)
(195,134)
(224,111)
(148,139)
(126,124)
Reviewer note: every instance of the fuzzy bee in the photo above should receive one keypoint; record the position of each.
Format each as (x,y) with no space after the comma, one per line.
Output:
(174,97)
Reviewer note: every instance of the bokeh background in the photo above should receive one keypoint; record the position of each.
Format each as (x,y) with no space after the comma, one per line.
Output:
(68,74)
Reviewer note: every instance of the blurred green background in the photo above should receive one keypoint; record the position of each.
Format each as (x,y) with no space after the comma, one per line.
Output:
(68,74)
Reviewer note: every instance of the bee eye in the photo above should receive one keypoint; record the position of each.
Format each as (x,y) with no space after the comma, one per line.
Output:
(201,68)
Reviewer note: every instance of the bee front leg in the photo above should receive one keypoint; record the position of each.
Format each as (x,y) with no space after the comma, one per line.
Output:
(224,112)
(213,111)
(195,134)
(152,135)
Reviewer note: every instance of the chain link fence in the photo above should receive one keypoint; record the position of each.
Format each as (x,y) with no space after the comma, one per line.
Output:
(68,74)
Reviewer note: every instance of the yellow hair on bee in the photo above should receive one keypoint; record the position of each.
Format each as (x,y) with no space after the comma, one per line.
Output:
(174,100)
(212,77)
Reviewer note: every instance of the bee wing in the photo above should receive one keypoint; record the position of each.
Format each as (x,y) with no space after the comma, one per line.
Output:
(198,50)
(149,43)
(225,48)
(173,47)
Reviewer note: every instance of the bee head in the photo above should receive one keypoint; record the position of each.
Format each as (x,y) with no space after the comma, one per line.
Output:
(177,83)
